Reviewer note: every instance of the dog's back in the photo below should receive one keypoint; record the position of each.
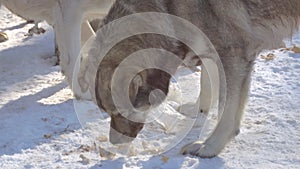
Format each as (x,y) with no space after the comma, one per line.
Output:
(261,24)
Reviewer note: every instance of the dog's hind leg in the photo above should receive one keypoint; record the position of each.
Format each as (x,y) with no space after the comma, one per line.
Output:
(237,71)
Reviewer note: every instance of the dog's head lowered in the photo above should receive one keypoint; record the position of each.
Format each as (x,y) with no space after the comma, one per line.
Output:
(145,89)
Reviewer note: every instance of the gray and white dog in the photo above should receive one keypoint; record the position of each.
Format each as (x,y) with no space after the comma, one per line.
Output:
(238,29)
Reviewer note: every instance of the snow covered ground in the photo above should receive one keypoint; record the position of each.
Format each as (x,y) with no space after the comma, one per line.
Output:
(39,127)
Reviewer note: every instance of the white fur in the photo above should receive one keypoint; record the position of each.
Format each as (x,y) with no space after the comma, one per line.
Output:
(209,82)
(67,17)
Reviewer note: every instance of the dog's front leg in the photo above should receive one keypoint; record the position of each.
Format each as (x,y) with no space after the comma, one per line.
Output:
(237,71)
(205,93)
(68,18)
(209,83)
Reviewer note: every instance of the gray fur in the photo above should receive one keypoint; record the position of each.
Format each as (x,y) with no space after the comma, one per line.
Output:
(239,30)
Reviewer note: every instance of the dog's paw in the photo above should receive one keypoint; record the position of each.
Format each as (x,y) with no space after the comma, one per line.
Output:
(199,149)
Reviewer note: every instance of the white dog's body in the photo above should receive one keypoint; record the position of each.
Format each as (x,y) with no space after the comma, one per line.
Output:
(66,16)
(32,9)
(238,29)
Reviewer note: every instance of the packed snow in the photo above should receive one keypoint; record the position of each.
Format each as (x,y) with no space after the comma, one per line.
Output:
(39,127)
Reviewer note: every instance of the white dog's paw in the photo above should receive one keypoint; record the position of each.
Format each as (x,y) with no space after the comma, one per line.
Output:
(200,149)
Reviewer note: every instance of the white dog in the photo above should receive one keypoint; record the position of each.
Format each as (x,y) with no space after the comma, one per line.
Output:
(66,16)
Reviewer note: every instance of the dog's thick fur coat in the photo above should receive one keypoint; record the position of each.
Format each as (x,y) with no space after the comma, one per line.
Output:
(238,29)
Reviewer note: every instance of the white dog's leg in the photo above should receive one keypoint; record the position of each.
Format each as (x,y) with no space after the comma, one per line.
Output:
(237,77)
(68,20)
(68,17)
